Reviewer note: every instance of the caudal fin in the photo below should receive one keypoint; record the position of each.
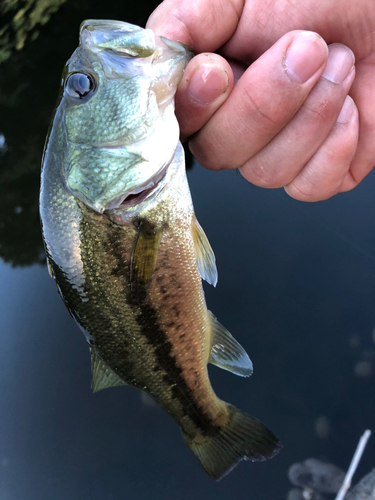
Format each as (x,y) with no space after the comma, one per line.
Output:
(242,438)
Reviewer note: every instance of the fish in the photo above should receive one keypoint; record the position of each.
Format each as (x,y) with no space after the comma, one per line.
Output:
(124,246)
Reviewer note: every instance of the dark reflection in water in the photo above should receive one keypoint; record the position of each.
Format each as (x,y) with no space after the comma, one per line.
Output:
(296,288)
(29,84)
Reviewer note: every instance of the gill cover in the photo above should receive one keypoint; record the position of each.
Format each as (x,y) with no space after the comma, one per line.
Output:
(120,132)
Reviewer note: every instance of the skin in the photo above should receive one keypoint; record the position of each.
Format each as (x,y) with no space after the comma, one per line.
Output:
(291,120)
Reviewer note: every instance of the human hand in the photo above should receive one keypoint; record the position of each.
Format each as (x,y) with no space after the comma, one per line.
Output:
(288,121)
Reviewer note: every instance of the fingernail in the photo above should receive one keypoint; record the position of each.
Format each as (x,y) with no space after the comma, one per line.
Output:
(340,62)
(346,110)
(208,83)
(305,55)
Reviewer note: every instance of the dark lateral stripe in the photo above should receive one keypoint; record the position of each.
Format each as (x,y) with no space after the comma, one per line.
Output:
(115,245)
(173,377)
(96,243)
(100,246)
(146,317)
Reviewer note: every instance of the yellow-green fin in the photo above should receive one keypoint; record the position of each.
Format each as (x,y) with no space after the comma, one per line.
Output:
(242,438)
(144,254)
(226,352)
(206,265)
(50,268)
(102,376)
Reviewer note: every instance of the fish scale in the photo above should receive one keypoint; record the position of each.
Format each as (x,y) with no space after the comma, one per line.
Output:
(123,244)
(143,321)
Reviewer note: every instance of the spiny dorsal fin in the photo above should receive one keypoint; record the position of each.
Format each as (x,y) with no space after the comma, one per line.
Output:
(204,254)
(144,254)
(226,352)
(102,376)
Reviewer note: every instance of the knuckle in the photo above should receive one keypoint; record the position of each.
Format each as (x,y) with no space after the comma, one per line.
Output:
(320,111)
(265,114)
(319,187)
(303,190)
(262,173)
(206,152)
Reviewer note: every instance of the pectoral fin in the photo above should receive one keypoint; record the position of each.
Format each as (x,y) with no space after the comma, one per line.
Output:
(204,254)
(144,254)
(50,268)
(226,352)
(102,376)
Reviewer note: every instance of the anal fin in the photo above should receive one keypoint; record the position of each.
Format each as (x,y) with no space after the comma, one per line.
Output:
(205,256)
(226,352)
(102,376)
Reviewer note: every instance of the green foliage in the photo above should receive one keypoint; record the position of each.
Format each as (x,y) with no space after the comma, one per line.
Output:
(21,22)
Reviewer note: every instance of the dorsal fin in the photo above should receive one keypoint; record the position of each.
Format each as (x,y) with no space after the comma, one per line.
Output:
(226,352)
(144,255)
(102,376)
(206,265)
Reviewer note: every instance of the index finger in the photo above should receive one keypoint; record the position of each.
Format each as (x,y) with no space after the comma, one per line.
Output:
(203,25)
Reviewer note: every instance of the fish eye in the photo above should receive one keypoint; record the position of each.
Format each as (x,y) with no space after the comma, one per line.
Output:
(79,85)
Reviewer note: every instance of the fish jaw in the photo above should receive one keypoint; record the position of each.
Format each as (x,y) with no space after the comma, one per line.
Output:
(121,136)
(126,171)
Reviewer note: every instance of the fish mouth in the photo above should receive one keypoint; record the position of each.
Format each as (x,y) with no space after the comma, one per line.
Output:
(136,199)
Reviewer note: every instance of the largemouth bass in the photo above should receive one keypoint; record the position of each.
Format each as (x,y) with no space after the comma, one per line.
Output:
(124,246)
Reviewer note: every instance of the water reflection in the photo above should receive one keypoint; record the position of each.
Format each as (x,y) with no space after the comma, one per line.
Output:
(3,145)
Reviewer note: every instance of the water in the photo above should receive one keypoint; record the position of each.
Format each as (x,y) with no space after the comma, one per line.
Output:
(296,288)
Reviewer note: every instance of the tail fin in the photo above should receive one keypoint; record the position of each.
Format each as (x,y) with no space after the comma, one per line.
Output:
(242,438)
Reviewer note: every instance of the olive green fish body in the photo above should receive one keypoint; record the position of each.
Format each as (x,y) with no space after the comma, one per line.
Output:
(165,326)
(125,248)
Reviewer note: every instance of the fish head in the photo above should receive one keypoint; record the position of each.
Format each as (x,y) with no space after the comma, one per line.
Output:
(119,132)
